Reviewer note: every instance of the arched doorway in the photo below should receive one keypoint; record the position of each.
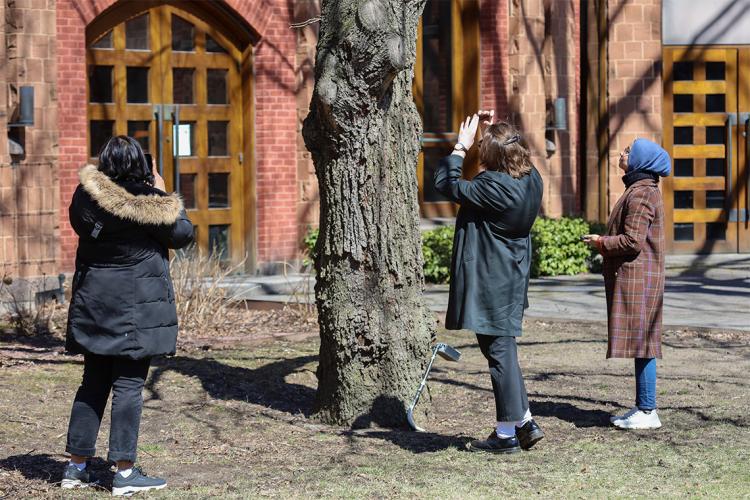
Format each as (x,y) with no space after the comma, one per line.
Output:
(181,86)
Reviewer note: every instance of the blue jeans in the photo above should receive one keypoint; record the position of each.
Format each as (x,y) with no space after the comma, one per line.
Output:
(645,383)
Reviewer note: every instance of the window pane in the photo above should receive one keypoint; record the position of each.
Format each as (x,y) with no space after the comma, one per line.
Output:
(683,167)
(100,83)
(213,46)
(715,103)
(140,132)
(101,131)
(714,199)
(432,157)
(182,85)
(715,135)
(137,85)
(715,70)
(683,199)
(104,42)
(187,190)
(136,33)
(217,86)
(217,139)
(716,167)
(183,35)
(683,135)
(683,103)
(183,139)
(683,231)
(437,49)
(218,190)
(716,231)
(218,240)
(682,71)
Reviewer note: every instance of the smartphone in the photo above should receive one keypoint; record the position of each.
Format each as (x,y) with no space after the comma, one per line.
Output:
(149,161)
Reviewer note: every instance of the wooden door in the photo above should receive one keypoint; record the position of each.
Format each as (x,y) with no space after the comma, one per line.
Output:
(701,115)
(446,89)
(172,81)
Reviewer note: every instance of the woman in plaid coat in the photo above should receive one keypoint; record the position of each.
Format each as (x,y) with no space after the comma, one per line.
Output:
(633,251)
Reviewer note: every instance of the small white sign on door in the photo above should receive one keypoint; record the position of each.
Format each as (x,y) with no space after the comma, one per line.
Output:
(181,139)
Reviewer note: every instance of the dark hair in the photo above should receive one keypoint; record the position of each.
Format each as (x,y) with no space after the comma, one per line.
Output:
(503,149)
(122,160)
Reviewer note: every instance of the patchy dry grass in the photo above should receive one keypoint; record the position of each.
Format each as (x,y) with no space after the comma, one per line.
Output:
(233,423)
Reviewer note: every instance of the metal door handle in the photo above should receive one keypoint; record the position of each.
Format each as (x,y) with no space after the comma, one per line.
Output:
(747,170)
(730,121)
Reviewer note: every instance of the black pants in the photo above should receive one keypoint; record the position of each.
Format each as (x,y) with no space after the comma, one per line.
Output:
(125,379)
(511,401)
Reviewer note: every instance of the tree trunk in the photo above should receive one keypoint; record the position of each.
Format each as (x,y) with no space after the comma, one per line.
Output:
(364,133)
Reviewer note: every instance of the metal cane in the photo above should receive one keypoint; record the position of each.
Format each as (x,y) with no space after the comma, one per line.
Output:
(446,352)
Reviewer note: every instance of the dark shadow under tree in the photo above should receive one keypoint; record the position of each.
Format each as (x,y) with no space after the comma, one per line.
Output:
(364,133)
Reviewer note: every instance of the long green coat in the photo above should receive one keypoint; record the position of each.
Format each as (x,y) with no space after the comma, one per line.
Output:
(491,249)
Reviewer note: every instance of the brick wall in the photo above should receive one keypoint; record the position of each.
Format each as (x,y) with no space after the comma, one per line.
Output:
(543,65)
(28,182)
(494,56)
(275,130)
(634,80)
(308,206)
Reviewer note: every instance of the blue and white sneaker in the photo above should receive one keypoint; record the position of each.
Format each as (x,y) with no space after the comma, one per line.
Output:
(76,478)
(136,482)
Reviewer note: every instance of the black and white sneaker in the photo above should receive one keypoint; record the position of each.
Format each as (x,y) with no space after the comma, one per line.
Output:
(136,482)
(76,478)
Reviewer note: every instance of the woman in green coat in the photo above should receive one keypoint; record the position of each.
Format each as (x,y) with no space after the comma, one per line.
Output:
(491,264)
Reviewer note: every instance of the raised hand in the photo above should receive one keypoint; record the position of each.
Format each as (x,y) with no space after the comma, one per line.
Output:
(486,118)
(468,131)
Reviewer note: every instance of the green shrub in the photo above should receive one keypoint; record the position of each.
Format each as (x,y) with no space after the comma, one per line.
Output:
(558,248)
(309,241)
(437,247)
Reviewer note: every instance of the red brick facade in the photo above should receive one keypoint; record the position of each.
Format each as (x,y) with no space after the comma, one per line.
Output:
(275,89)
(530,55)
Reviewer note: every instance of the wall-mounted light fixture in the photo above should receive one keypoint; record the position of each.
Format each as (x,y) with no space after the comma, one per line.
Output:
(26,107)
(561,114)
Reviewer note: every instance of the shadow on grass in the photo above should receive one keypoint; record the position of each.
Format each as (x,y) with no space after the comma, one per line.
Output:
(570,413)
(44,467)
(265,386)
(382,413)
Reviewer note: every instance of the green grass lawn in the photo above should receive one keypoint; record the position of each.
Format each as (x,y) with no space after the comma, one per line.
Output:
(235,423)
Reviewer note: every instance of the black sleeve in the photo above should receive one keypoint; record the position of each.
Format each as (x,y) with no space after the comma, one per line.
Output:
(178,235)
(478,192)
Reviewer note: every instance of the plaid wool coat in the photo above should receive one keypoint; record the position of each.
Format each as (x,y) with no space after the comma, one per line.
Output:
(633,251)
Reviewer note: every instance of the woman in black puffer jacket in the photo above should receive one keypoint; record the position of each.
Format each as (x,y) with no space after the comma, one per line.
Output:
(122,310)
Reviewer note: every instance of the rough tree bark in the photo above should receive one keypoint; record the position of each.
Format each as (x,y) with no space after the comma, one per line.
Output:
(363,131)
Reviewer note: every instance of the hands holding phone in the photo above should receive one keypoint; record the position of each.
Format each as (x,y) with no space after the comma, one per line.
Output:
(591,239)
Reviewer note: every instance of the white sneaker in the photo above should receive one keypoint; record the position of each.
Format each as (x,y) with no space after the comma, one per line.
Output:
(629,414)
(637,419)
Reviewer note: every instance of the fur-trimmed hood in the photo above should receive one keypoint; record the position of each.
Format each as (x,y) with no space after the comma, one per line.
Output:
(141,208)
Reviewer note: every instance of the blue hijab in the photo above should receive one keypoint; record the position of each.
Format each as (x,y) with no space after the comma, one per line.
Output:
(647,156)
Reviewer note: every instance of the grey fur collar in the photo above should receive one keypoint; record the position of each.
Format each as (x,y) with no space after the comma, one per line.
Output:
(144,209)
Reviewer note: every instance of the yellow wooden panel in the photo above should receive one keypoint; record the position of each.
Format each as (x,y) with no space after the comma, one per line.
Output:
(694,151)
(708,55)
(700,87)
(696,215)
(699,183)
(699,119)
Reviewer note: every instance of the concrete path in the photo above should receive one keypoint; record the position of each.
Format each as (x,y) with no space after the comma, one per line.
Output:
(701,291)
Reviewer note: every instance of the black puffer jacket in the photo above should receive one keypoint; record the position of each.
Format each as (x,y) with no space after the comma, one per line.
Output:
(123,301)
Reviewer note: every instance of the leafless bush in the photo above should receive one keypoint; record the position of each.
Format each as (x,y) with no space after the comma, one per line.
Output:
(202,300)
(27,317)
